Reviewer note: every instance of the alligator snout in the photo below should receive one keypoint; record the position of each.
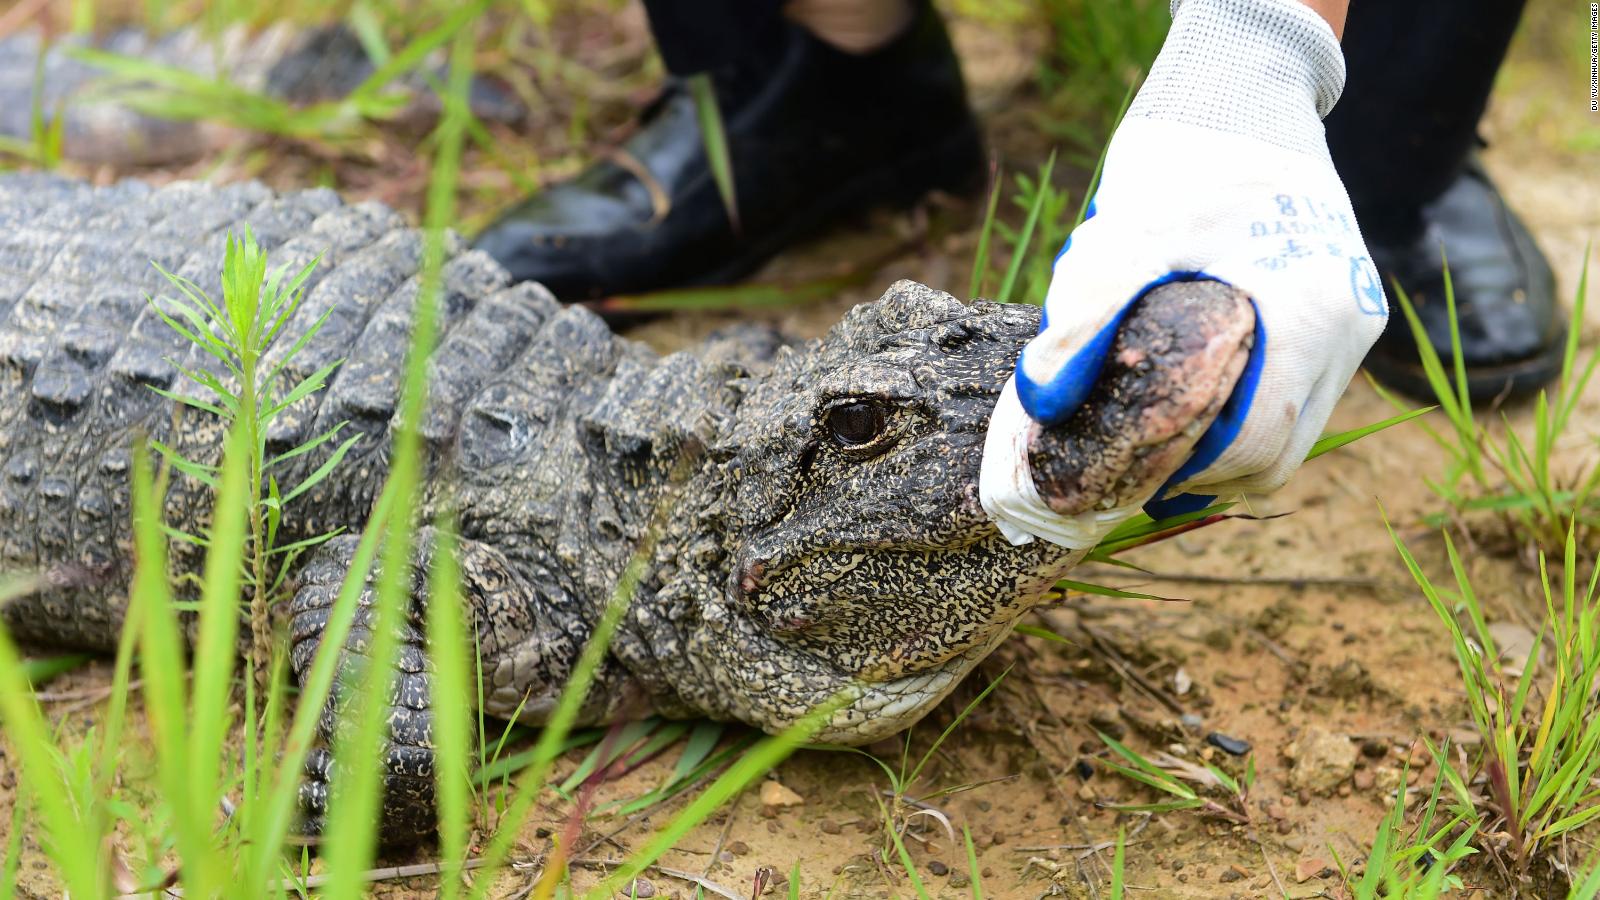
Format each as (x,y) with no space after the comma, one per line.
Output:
(1171,370)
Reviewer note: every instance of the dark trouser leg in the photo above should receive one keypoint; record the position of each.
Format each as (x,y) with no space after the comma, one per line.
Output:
(815,134)
(1403,137)
(1420,72)
(704,35)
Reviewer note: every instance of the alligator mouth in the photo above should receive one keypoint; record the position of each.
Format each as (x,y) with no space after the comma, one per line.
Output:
(884,708)
(879,617)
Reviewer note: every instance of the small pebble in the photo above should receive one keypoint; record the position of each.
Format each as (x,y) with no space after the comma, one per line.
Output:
(1310,865)
(739,848)
(998,839)
(641,889)
(1372,748)
(938,868)
(1230,745)
(1233,873)
(1107,719)
(1192,720)
(829,826)
(775,796)
(1084,769)
(959,879)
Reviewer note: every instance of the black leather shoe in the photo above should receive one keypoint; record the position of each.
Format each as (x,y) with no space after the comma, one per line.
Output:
(815,134)
(1512,330)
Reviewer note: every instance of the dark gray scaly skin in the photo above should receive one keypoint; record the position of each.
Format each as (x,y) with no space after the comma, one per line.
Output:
(788,565)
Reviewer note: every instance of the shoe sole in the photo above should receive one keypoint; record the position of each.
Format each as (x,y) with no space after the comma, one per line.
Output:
(1511,381)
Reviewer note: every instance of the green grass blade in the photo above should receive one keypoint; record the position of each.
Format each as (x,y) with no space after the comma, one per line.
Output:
(1019,253)
(715,138)
(950,729)
(980,261)
(1330,442)
(702,740)
(74,849)
(1043,633)
(560,722)
(1100,164)
(351,841)
(617,742)
(905,858)
(973,873)
(451,696)
(750,766)
(1118,863)
(502,766)
(273,824)
(679,785)
(216,645)
(166,701)
(1098,590)
(39,671)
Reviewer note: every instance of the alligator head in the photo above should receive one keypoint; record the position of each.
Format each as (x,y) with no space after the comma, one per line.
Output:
(856,557)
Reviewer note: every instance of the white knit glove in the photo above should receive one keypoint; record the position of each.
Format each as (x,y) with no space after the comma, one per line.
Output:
(1220,170)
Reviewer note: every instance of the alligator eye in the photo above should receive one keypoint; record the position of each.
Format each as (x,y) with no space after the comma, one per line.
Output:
(855,424)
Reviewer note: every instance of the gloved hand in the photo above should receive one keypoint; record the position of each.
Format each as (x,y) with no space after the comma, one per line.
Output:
(1219,170)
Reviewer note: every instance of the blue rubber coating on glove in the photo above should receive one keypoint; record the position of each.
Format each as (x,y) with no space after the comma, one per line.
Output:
(1053,401)
(1179,505)
(1065,246)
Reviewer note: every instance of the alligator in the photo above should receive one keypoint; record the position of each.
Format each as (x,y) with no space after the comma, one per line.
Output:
(809,512)
(55,85)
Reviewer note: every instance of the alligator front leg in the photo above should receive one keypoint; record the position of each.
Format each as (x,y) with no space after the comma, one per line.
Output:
(408,763)
(528,634)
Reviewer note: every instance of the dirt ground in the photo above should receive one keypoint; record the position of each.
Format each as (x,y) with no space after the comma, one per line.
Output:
(1289,633)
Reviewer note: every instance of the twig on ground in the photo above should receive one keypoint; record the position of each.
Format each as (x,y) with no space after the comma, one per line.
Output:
(90,693)
(722,838)
(1274,648)
(1366,584)
(699,881)
(386,873)
(1128,671)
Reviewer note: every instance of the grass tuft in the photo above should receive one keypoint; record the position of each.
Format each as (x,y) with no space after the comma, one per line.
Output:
(1532,779)
(1506,473)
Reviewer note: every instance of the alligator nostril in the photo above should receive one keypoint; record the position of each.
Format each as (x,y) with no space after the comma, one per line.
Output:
(751,580)
(749,577)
